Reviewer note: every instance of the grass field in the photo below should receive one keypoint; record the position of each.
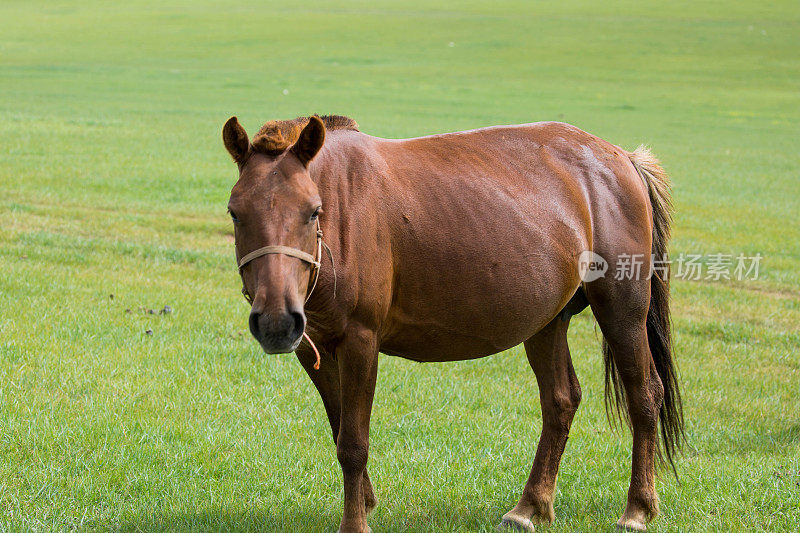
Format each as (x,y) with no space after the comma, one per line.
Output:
(114,181)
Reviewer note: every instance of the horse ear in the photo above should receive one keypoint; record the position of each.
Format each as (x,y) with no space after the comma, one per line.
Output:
(310,141)
(235,139)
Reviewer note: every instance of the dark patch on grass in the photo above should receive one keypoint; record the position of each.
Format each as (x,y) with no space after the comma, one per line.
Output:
(19,208)
(63,248)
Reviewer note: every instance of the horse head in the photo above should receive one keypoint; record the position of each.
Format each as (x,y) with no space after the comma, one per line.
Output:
(275,207)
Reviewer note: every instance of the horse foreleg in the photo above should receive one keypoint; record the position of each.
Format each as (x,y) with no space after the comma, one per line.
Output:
(357,355)
(326,380)
(560,394)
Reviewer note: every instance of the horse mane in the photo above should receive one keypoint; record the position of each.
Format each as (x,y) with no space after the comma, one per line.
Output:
(277,135)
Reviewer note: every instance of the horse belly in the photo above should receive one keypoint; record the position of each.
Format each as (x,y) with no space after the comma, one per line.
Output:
(467,301)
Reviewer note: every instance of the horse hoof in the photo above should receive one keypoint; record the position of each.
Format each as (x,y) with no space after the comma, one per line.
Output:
(515,523)
(631,524)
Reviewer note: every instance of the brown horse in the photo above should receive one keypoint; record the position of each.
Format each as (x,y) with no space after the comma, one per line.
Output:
(454,247)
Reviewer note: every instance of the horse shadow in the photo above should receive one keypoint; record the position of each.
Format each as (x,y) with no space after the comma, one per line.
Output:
(439,517)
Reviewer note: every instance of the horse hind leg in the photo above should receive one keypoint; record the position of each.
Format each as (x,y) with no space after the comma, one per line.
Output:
(621,311)
(560,395)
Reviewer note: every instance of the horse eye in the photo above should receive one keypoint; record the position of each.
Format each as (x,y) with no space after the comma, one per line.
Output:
(233,216)
(316,214)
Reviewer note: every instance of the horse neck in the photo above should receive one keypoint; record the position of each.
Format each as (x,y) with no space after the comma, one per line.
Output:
(330,172)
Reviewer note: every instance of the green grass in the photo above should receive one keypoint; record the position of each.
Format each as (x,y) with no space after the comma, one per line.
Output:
(114,181)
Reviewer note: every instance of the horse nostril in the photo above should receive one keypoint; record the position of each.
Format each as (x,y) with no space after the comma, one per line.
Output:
(254,324)
(277,332)
(299,323)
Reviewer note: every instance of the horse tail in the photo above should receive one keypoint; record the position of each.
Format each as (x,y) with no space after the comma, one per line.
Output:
(658,322)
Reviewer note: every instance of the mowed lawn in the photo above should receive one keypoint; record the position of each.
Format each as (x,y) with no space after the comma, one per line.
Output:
(113,191)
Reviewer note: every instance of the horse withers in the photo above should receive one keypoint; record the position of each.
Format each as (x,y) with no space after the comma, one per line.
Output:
(453,247)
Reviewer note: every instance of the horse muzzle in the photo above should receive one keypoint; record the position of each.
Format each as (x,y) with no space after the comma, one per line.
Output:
(279,332)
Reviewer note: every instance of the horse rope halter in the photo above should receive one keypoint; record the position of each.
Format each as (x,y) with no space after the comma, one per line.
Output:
(314,260)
